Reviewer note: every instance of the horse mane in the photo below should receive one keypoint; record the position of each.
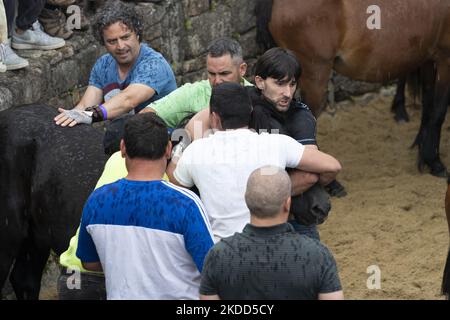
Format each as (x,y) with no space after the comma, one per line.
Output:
(263,12)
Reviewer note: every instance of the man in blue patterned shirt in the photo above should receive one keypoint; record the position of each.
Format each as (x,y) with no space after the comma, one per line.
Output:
(149,236)
(126,79)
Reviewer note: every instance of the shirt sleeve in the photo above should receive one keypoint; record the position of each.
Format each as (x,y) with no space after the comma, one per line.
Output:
(198,234)
(96,79)
(183,172)
(178,104)
(302,126)
(330,281)
(208,283)
(154,72)
(86,250)
(291,149)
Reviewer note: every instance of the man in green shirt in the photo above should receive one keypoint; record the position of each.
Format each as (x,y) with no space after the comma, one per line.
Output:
(224,63)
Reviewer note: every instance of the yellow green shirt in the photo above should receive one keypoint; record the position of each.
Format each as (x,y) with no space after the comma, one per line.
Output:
(187,99)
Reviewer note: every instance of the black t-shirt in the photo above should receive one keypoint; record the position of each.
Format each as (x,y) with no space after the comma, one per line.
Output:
(298,122)
(269,263)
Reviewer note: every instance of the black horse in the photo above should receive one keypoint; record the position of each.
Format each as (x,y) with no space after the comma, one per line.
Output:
(46,174)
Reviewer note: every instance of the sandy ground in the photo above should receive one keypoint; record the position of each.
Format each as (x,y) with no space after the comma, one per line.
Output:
(393,217)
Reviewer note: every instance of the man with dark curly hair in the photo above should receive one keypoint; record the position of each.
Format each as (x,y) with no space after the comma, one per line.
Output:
(130,76)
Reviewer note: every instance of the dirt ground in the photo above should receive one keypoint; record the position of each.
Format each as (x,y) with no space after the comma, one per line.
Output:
(393,217)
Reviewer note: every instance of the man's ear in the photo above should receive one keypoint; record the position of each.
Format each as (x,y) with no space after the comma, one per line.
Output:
(123,149)
(287,205)
(215,121)
(168,153)
(259,83)
(243,69)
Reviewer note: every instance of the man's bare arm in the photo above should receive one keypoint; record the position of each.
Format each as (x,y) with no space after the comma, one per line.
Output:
(198,124)
(337,295)
(120,104)
(316,161)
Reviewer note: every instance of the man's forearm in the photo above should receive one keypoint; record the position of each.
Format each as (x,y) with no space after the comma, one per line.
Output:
(91,97)
(118,105)
(302,181)
(326,177)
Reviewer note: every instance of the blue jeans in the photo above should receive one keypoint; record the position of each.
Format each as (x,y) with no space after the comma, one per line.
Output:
(310,231)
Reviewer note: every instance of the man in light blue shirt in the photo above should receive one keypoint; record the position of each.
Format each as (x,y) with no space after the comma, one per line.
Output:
(128,77)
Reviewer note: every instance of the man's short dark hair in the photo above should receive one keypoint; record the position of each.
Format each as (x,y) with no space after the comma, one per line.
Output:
(278,63)
(222,46)
(116,11)
(232,103)
(146,136)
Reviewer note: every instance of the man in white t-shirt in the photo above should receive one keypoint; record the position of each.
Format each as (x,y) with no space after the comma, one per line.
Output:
(220,164)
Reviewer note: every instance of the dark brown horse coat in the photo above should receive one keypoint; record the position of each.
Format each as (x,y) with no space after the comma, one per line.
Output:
(333,34)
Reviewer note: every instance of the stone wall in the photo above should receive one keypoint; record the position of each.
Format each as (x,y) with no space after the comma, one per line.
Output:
(179,29)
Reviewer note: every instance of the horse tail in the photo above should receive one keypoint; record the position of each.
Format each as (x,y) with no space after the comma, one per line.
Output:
(263,12)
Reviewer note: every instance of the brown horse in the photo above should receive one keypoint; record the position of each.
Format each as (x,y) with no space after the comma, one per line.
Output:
(338,34)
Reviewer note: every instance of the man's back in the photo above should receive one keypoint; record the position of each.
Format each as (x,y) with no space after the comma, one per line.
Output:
(269,263)
(151,238)
(220,165)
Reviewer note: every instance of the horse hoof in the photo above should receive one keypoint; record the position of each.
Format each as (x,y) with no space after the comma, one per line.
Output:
(439,171)
(400,119)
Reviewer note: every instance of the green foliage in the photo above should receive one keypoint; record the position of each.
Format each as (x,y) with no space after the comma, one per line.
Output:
(213,6)
(188,24)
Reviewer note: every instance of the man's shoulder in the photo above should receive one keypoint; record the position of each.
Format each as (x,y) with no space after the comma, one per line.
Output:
(298,106)
(149,55)
(227,244)
(147,51)
(197,85)
(104,61)
(106,189)
(299,110)
(315,248)
(183,196)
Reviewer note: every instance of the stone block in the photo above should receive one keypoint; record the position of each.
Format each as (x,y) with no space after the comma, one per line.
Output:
(194,8)
(242,15)
(194,64)
(248,42)
(207,27)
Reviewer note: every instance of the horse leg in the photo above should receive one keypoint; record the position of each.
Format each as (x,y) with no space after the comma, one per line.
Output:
(445,290)
(27,272)
(434,109)
(6,261)
(398,105)
(314,84)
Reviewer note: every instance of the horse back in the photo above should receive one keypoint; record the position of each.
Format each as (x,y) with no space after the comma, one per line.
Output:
(336,32)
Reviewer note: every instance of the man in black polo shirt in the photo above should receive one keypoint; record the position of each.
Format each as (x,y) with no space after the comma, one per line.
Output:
(277,73)
(269,260)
